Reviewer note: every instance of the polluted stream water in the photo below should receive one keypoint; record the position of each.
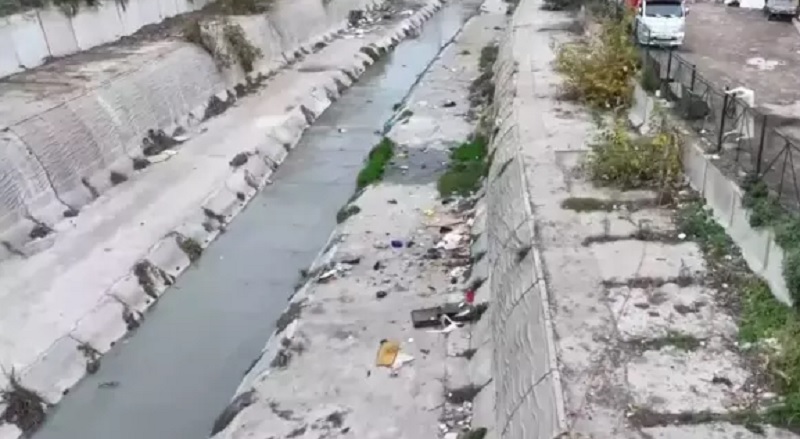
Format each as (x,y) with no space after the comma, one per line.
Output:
(176,373)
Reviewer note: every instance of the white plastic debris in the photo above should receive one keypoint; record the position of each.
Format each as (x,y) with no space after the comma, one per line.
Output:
(163,156)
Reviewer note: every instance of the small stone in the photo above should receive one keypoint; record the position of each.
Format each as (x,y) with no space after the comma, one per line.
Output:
(381,294)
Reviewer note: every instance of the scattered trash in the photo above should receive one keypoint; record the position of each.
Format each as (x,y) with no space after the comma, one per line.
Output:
(426,318)
(450,241)
(392,201)
(108,385)
(377,266)
(400,360)
(449,104)
(337,271)
(446,314)
(449,325)
(381,294)
(396,243)
(457,272)
(387,353)
(163,156)
(682,236)
(352,260)
(469,297)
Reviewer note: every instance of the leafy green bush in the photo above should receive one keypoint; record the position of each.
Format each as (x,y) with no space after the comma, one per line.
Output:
(618,159)
(598,72)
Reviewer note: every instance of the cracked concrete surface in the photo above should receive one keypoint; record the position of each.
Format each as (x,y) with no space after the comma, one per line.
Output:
(638,330)
(318,378)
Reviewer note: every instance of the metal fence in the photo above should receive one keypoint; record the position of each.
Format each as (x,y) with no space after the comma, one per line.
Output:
(747,141)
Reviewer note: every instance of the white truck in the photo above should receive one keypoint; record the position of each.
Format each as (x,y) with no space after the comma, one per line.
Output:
(661,23)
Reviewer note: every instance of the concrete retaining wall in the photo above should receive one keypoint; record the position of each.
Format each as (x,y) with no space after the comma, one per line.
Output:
(28,39)
(763,255)
(529,401)
(57,156)
(53,363)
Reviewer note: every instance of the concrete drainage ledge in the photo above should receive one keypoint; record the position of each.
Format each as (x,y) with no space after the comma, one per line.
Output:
(759,249)
(124,305)
(526,389)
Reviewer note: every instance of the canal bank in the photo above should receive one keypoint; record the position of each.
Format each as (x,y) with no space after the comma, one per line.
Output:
(406,248)
(178,371)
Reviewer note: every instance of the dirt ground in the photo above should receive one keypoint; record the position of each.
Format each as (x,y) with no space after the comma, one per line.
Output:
(739,47)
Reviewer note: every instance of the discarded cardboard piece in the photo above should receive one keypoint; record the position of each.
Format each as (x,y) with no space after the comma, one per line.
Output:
(387,353)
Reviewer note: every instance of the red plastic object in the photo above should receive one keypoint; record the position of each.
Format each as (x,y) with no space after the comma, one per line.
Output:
(469,296)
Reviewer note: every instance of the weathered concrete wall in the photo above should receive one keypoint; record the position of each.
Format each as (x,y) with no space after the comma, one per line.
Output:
(28,39)
(529,401)
(60,146)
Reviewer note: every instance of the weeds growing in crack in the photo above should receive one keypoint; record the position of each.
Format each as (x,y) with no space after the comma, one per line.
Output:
(767,212)
(190,247)
(92,356)
(653,282)
(467,167)
(375,167)
(143,272)
(620,159)
(677,340)
(23,407)
(588,204)
(639,235)
(645,418)
(241,48)
(768,327)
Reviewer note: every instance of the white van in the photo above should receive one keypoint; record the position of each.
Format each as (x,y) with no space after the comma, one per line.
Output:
(661,23)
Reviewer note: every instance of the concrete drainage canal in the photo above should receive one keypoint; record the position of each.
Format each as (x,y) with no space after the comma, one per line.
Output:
(174,375)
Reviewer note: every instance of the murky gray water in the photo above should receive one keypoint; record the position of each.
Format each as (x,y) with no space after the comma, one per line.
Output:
(180,369)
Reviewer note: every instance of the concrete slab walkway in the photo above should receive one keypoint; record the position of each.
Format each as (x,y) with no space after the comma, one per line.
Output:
(623,304)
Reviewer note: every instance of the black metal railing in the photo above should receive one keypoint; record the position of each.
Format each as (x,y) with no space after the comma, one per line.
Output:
(749,143)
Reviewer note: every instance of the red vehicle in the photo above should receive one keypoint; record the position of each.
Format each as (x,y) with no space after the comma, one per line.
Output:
(633,4)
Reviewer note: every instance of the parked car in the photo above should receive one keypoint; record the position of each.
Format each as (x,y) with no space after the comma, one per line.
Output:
(661,23)
(784,10)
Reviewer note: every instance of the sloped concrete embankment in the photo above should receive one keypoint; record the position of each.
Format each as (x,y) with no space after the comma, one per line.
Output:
(53,362)
(59,148)
(526,380)
(29,39)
